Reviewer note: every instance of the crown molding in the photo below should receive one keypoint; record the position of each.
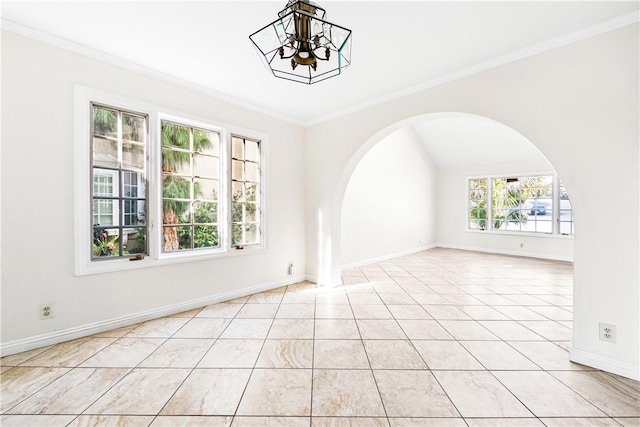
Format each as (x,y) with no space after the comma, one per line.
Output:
(602,27)
(89,52)
(594,30)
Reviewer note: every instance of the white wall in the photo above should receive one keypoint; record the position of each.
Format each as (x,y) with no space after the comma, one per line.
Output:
(389,204)
(452,215)
(579,105)
(37,202)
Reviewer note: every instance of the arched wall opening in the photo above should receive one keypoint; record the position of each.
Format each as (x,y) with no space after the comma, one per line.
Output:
(405,190)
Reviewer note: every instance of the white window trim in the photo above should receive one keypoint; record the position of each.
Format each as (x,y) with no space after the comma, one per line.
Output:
(84,265)
(490,230)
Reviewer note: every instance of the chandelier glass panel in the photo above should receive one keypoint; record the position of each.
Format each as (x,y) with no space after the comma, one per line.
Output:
(301,45)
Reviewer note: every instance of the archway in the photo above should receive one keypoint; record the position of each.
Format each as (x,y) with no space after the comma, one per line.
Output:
(461,144)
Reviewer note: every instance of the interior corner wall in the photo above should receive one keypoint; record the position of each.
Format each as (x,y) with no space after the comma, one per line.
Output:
(579,105)
(389,206)
(37,201)
(452,215)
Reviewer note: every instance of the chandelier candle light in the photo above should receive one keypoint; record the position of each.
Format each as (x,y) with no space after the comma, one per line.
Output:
(302,46)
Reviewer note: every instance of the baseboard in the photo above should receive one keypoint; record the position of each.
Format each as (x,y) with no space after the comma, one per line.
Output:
(624,369)
(56,337)
(387,257)
(505,252)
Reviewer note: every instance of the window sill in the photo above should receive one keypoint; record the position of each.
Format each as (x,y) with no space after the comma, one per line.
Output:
(126,264)
(521,234)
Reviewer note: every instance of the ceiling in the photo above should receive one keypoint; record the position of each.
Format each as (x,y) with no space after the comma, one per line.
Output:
(455,139)
(398,47)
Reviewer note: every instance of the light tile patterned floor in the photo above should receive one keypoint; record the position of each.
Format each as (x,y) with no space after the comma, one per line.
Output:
(438,338)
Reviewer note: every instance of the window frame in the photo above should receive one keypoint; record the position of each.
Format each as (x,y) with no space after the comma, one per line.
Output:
(83,218)
(555,200)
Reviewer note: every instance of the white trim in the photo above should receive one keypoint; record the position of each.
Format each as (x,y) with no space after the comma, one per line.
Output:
(387,257)
(505,252)
(535,49)
(625,369)
(56,337)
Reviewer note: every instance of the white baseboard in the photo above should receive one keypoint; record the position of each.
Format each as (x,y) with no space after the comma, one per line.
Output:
(387,257)
(624,369)
(56,337)
(505,252)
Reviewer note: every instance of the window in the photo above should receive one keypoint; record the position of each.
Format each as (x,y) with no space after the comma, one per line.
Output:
(519,204)
(566,214)
(190,187)
(155,186)
(478,204)
(119,143)
(245,191)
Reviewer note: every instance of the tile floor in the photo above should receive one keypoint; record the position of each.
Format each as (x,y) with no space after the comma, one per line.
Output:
(438,338)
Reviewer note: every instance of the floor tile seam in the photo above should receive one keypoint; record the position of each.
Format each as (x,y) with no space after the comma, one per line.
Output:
(537,333)
(43,349)
(253,369)
(106,391)
(5,412)
(375,381)
(585,397)
(517,398)
(69,371)
(614,377)
(313,355)
(192,370)
(524,355)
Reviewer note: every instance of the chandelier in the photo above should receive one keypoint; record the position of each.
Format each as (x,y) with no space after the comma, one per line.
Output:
(301,45)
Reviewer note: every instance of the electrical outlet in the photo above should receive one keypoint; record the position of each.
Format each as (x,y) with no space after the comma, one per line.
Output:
(607,332)
(292,269)
(46,311)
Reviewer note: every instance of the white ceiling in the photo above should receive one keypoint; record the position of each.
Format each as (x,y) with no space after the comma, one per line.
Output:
(398,47)
(462,139)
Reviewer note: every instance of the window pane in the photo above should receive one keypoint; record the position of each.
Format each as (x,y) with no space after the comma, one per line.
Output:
(206,142)
(176,187)
(205,236)
(176,161)
(251,192)
(237,234)
(133,156)
(237,192)
(206,166)
(206,189)
(252,152)
(176,136)
(136,241)
(176,212)
(252,173)
(106,242)
(105,152)
(252,214)
(237,148)
(205,213)
(105,122)
(252,234)
(237,170)
(133,127)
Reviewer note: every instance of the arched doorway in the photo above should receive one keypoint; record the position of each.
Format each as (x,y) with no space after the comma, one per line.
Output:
(406,191)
